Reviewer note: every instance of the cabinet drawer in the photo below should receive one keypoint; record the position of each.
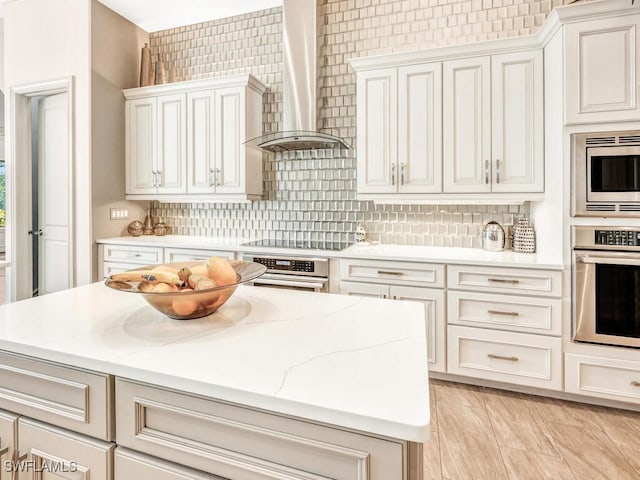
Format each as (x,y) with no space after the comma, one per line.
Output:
(129,464)
(132,254)
(505,312)
(75,399)
(506,280)
(109,268)
(396,273)
(519,358)
(183,254)
(66,454)
(602,377)
(229,440)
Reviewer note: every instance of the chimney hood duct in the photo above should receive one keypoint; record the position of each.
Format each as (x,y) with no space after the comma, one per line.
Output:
(298,85)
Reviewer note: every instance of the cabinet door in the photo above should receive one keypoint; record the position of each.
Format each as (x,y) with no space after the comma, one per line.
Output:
(420,128)
(130,465)
(60,454)
(377,134)
(200,142)
(601,69)
(467,125)
(8,432)
(172,133)
(229,171)
(364,289)
(435,321)
(517,122)
(141,118)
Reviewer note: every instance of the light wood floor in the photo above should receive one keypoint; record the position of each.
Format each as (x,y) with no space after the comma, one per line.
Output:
(482,433)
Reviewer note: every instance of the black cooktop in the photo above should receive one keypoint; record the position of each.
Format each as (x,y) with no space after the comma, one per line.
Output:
(301,244)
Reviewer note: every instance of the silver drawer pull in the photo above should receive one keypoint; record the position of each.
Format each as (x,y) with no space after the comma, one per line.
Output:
(503,280)
(385,272)
(635,384)
(4,451)
(500,357)
(498,312)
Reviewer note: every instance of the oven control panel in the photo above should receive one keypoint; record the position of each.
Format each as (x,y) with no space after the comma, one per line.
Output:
(286,264)
(618,237)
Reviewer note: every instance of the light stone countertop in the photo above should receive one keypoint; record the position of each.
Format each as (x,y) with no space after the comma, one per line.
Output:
(354,362)
(410,253)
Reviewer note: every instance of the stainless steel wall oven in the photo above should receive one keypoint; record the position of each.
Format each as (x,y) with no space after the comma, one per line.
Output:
(606,285)
(606,174)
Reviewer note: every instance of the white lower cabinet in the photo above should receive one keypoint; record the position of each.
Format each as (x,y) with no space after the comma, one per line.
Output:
(192,254)
(133,465)
(116,258)
(404,281)
(229,440)
(434,303)
(602,377)
(49,452)
(517,358)
(8,433)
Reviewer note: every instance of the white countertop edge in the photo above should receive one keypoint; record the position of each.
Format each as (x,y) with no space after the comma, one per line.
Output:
(340,419)
(401,253)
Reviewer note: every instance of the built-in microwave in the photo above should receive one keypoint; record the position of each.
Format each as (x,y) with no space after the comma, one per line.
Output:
(606,174)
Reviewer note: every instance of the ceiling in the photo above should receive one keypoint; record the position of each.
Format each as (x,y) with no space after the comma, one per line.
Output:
(154,15)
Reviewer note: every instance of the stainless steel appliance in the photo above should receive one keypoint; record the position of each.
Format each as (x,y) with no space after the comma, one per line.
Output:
(606,174)
(299,272)
(606,285)
(292,272)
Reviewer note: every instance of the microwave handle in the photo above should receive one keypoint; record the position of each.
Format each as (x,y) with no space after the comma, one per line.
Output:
(608,260)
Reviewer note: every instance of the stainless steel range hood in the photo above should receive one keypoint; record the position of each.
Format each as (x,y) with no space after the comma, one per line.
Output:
(299,79)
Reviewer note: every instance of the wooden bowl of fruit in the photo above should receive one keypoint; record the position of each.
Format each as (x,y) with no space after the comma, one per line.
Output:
(186,290)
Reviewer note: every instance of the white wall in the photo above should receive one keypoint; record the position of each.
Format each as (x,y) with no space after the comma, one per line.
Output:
(115,65)
(52,39)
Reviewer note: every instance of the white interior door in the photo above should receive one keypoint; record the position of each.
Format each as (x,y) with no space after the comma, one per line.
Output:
(54,252)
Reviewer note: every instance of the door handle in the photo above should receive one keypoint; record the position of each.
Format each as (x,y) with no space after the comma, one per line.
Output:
(502,357)
(497,170)
(402,168)
(36,233)
(212,174)
(393,173)
(486,171)
(217,177)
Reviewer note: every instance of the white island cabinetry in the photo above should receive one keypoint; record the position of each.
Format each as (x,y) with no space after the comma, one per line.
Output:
(111,385)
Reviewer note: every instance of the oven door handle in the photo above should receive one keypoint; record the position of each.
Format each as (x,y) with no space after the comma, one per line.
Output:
(315,284)
(608,260)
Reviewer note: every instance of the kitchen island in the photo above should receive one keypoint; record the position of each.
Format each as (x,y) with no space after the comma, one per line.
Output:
(276,384)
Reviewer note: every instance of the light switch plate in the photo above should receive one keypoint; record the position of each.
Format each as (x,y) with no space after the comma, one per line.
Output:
(119,213)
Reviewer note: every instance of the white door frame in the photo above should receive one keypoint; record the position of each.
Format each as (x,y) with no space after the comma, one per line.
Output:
(18,175)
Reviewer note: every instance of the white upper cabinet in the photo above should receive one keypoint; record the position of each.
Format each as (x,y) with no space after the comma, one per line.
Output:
(155,129)
(399,130)
(447,125)
(420,128)
(493,124)
(467,125)
(377,101)
(601,65)
(517,122)
(185,141)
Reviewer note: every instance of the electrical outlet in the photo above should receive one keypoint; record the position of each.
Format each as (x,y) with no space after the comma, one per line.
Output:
(119,213)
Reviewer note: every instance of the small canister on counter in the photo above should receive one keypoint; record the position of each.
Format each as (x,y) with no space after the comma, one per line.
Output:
(524,236)
(160,228)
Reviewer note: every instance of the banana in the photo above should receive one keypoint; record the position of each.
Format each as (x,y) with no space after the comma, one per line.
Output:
(220,270)
(200,282)
(153,276)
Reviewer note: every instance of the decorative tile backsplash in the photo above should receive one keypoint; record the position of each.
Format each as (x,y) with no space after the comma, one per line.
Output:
(312,194)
